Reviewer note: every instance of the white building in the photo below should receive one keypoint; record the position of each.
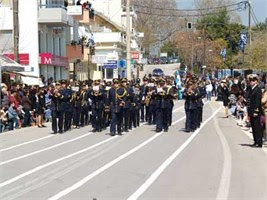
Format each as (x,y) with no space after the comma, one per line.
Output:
(109,33)
(44,33)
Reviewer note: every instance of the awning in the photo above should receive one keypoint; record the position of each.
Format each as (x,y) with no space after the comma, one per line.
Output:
(7,64)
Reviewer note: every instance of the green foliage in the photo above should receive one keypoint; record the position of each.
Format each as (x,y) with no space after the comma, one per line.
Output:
(219,26)
(170,48)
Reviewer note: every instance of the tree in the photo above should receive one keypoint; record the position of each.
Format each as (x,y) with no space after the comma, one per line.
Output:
(153,22)
(258,51)
(170,48)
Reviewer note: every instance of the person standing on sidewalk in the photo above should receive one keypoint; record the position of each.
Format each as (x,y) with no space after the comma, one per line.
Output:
(225,95)
(264,107)
(255,111)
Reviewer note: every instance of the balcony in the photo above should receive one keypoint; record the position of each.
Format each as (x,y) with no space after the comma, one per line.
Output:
(74,52)
(54,15)
(109,37)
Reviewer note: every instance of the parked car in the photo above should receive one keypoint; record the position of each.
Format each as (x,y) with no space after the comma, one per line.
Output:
(157,72)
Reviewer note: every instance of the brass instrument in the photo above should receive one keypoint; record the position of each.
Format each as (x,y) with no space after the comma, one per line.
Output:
(96,93)
(147,99)
(120,96)
(56,93)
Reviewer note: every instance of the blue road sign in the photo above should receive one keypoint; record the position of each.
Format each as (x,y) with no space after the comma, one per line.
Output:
(111,64)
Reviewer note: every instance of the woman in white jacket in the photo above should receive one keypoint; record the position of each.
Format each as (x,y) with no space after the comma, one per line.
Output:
(209,90)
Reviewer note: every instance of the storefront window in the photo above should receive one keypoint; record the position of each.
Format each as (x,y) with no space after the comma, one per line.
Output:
(109,73)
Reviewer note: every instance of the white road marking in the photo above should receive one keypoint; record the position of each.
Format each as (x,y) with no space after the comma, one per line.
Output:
(58,160)
(53,162)
(167,162)
(225,181)
(106,166)
(45,149)
(29,142)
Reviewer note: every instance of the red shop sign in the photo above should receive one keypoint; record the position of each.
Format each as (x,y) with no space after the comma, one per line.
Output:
(50,59)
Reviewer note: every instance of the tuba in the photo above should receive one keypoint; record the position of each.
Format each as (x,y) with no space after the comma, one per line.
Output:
(119,97)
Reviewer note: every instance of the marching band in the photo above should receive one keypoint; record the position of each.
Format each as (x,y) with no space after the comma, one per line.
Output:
(123,104)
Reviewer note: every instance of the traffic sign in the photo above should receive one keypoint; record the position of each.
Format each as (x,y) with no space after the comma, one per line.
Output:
(135,56)
(111,64)
(99,59)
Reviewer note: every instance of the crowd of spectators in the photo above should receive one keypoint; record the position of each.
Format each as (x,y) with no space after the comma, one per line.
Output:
(236,96)
(24,106)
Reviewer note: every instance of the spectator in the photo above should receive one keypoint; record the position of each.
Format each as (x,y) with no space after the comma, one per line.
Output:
(214,87)
(209,90)
(234,93)
(225,95)
(4,96)
(13,100)
(264,107)
(40,107)
(3,119)
(241,111)
(26,104)
(255,111)
(92,14)
(78,3)
(12,116)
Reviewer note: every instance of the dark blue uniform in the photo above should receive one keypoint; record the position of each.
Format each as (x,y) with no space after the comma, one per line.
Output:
(127,108)
(84,108)
(163,105)
(56,112)
(191,109)
(77,109)
(144,108)
(135,109)
(68,110)
(117,99)
(152,105)
(98,104)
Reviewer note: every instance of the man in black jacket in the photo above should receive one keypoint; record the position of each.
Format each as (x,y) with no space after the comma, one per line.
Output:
(255,111)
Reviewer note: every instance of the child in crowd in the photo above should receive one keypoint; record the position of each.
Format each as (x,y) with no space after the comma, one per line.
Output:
(241,111)
(12,117)
(3,119)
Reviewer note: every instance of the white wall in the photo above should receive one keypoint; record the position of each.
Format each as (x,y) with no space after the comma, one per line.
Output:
(110,8)
(28,26)
(107,37)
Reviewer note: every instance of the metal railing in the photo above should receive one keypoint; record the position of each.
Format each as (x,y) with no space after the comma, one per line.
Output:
(53,6)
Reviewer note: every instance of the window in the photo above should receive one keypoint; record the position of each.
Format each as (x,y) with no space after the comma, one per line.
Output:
(109,73)
(39,41)
(59,46)
(54,46)
(46,39)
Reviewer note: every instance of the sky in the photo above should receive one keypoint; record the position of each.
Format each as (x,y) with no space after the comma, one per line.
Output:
(259,6)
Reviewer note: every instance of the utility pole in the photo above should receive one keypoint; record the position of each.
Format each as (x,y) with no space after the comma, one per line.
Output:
(128,40)
(16,29)
(249,22)
(204,56)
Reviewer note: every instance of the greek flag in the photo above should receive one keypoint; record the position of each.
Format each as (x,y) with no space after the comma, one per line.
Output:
(242,41)
(244,38)
(223,53)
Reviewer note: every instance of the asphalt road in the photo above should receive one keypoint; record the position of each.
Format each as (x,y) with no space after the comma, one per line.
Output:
(214,162)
